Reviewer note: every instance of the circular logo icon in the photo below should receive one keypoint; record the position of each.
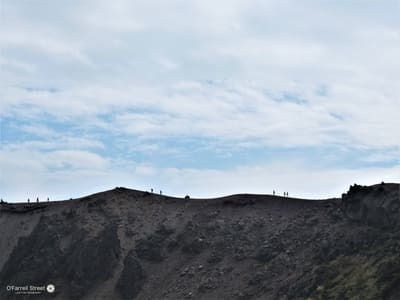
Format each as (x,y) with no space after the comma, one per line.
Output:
(50,288)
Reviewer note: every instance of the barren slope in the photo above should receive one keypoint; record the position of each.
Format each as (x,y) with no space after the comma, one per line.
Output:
(126,244)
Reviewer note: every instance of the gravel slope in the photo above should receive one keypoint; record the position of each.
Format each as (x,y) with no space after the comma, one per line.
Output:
(128,244)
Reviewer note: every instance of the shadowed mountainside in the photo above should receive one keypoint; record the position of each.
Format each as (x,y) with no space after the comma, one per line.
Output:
(128,244)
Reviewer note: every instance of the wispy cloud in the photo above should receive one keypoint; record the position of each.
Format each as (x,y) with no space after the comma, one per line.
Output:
(230,111)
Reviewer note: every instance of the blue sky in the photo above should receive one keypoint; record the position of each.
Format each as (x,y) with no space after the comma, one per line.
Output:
(198,97)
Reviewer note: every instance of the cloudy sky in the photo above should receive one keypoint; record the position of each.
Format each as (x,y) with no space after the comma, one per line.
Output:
(198,97)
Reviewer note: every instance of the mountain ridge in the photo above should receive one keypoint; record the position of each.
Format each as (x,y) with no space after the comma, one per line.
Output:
(130,244)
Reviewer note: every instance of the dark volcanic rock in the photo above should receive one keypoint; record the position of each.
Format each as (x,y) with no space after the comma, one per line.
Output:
(40,259)
(265,254)
(152,247)
(126,244)
(92,262)
(132,278)
(191,239)
(377,204)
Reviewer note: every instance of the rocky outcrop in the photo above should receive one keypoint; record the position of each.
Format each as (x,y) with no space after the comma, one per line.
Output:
(377,204)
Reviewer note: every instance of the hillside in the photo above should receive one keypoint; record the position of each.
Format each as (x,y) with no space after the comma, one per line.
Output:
(128,244)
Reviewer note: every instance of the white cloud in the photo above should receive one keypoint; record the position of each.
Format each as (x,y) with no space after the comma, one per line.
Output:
(240,73)
(60,174)
(168,64)
(233,110)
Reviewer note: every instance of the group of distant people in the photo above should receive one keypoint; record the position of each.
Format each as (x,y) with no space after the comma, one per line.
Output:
(285,194)
(151,190)
(37,200)
(29,200)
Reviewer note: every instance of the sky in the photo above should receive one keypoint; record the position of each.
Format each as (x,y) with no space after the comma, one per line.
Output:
(205,98)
